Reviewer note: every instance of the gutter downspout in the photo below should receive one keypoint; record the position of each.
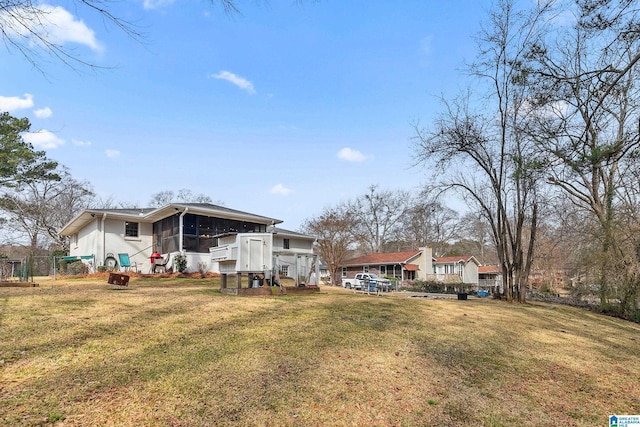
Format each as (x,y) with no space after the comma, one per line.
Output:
(104,237)
(181,227)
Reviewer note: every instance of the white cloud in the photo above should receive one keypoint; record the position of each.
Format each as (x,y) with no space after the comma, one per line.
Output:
(43,139)
(54,24)
(241,82)
(280,190)
(12,103)
(43,113)
(63,27)
(79,143)
(349,155)
(112,154)
(156,4)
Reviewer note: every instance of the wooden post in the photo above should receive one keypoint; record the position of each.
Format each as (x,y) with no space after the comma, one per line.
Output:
(239,280)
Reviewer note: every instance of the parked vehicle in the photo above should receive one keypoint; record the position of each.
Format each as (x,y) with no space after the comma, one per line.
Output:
(367,282)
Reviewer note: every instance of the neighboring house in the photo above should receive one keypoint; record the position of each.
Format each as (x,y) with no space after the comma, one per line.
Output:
(325,276)
(550,277)
(293,255)
(404,266)
(455,269)
(490,278)
(190,229)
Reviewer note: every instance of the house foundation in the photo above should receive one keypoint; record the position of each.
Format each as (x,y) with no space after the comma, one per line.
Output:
(258,286)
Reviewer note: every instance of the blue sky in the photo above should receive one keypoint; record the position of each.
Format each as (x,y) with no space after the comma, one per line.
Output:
(281,110)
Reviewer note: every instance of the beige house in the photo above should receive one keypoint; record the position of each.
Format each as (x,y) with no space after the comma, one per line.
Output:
(416,265)
(404,266)
(455,269)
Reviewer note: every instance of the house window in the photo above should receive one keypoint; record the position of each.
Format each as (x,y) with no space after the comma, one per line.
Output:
(198,231)
(383,270)
(284,270)
(344,271)
(130,229)
(365,269)
(285,244)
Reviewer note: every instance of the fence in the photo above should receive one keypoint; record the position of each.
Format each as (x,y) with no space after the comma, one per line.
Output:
(12,269)
(73,265)
(26,268)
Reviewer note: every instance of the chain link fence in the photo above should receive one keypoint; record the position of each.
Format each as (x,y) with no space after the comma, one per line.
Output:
(12,269)
(26,268)
(65,266)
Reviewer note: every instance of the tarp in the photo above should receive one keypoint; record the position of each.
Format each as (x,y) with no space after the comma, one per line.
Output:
(77,257)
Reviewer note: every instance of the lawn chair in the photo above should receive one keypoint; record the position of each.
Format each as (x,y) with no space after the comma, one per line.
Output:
(125,263)
(160,263)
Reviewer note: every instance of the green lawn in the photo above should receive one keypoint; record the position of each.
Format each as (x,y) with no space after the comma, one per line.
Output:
(175,352)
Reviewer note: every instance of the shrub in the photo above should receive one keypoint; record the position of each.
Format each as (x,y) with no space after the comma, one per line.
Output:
(428,286)
(75,268)
(203,268)
(180,263)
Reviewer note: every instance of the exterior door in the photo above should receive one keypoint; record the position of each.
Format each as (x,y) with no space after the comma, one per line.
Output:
(256,254)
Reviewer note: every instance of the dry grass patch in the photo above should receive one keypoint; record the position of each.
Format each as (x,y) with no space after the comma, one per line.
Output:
(175,352)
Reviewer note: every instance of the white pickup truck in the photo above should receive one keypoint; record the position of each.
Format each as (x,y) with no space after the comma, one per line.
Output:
(367,282)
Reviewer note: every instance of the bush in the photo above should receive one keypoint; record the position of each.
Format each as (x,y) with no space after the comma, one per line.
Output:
(203,268)
(427,286)
(180,262)
(75,268)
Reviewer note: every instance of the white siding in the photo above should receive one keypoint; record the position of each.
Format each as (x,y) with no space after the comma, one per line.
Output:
(91,237)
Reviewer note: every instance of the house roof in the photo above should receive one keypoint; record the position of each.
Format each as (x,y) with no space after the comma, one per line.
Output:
(289,233)
(411,267)
(455,259)
(383,258)
(155,214)
(487,269)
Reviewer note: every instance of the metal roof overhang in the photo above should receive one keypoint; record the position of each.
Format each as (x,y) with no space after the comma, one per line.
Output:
(174,208)
(89,215)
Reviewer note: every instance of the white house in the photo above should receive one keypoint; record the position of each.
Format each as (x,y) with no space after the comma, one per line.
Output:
(194,230)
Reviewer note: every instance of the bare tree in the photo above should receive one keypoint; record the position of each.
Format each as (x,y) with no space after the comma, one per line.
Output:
(377,214)
(333,229)
(33,28)
(428,222)
(479,147)
(476,231)
(183,195)
(36,210)
(587,110)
